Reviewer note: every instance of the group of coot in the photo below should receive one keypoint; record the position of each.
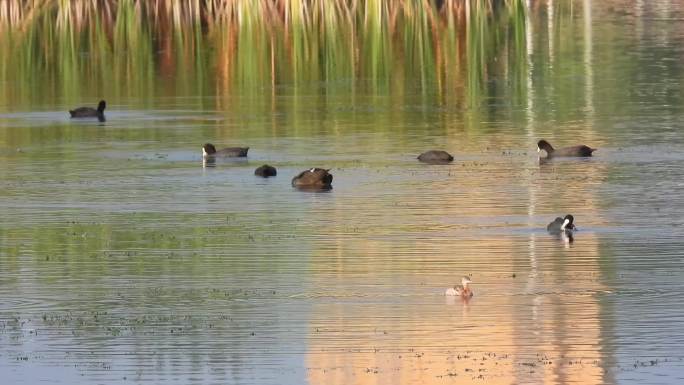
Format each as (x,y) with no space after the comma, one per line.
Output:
(320,178)
(314,178)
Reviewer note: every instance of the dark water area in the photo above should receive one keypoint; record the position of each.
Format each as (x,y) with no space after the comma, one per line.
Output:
(125,259)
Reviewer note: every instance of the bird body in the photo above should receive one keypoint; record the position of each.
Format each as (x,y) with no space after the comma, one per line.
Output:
(313,178)
(208,150)
(560,225)
(89,112)
(266,171)
(435,157)
(463,290)
(574,151)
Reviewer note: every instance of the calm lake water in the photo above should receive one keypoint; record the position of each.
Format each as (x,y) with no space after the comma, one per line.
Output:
(124,260)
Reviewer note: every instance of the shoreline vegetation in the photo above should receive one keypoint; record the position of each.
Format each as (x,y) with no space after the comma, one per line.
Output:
(442,44)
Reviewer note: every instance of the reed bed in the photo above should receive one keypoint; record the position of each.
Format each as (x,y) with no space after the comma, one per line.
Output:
(18,13)
(224,44)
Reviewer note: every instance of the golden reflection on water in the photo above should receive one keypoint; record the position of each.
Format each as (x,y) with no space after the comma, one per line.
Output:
(544,326)
(536,316)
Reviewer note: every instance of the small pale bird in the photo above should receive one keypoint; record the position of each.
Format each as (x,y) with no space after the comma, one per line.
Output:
(462,290)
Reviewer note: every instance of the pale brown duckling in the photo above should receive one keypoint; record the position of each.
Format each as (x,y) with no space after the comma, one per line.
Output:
(462,290)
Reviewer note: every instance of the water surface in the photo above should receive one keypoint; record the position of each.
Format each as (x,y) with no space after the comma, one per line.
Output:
(124,260)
